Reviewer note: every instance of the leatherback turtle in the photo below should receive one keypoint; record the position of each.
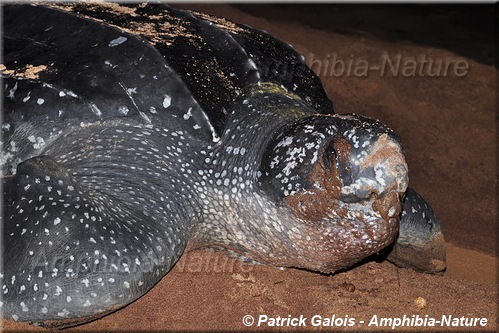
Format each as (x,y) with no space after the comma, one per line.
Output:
(133,133)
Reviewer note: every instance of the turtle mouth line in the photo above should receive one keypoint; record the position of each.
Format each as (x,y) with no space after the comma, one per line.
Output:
(387,206)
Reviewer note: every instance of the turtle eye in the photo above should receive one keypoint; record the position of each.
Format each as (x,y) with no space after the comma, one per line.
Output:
(330,156)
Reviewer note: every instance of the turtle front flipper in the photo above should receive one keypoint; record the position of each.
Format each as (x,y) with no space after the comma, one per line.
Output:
(420,244)
(70,256)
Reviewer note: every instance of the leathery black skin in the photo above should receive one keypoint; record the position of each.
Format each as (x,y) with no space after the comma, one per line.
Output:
(133,133)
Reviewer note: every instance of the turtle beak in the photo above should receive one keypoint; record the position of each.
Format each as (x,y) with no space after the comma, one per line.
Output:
(371,168)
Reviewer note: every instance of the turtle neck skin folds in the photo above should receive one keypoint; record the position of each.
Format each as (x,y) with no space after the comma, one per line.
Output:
(288,206)
(133,133)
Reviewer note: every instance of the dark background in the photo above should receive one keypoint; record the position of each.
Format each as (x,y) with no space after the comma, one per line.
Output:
(466,29)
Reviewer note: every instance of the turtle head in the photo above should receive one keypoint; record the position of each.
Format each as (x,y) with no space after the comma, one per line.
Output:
(342,179)
(361,156)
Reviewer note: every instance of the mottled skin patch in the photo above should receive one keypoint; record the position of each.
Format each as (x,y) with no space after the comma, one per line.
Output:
(313,205)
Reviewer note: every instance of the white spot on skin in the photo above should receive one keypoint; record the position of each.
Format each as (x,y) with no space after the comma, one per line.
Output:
(40,101)
(95,110)
(70,93)
(117,41)
(379,176)
(123,110)
(38,142)
(64,313)
(24,307)
(391,212)
(188,114)
(12,92)
(167,101)
(25,99)
(107,62)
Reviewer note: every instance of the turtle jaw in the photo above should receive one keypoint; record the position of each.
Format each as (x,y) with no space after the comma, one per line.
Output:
(352,204)
(374,179)
(344,232)
(342,178)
